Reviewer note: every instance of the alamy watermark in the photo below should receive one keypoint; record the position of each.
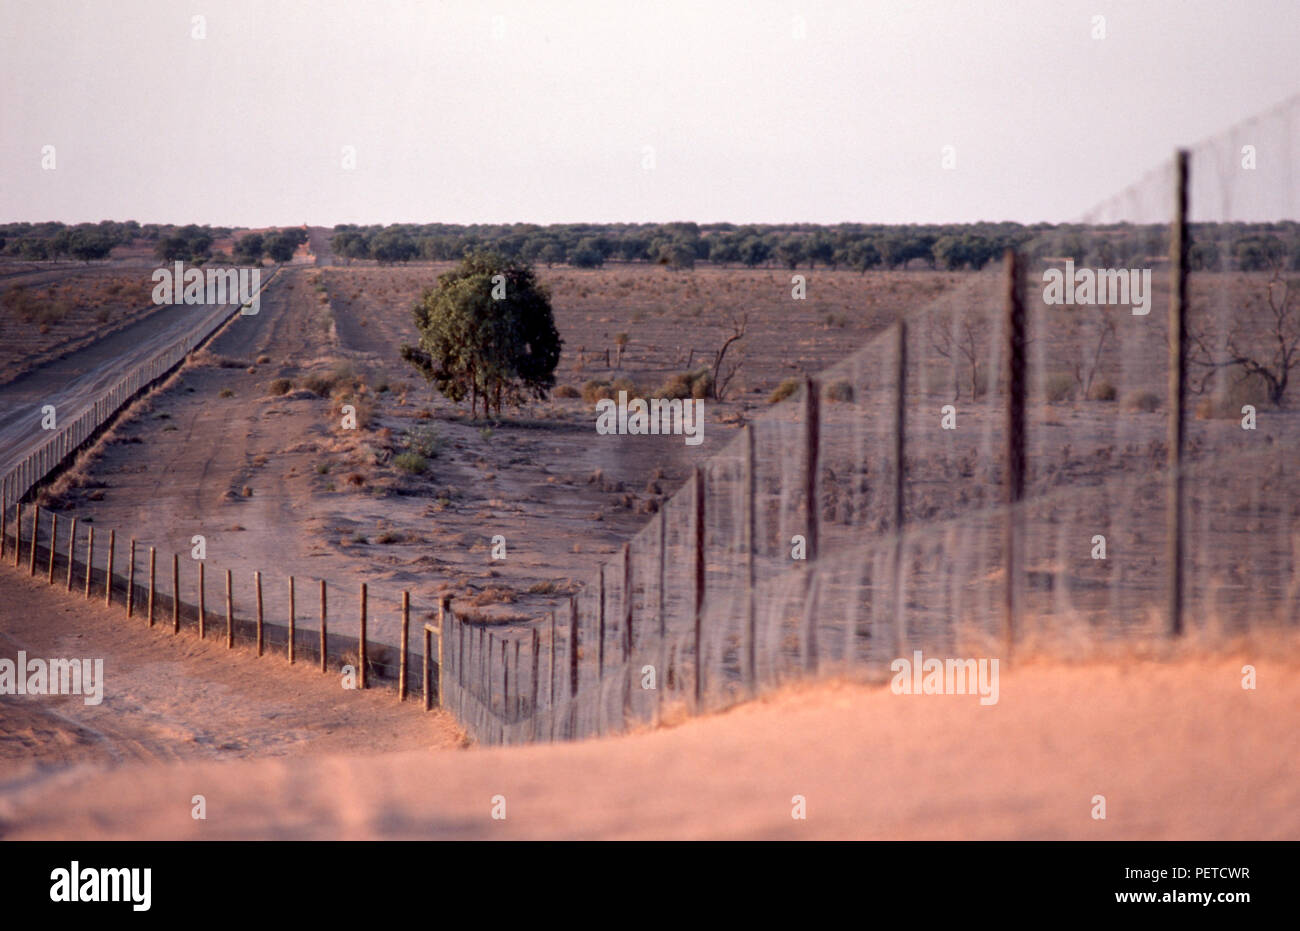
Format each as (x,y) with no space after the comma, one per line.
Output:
(919,676)
(53,677)
(655,417)
(1111,286)
(181,285)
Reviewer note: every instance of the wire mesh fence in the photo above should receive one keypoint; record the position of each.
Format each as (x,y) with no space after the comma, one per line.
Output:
(1092,447)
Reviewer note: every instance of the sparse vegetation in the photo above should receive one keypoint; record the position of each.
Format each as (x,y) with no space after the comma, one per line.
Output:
(411,462)
(784,390)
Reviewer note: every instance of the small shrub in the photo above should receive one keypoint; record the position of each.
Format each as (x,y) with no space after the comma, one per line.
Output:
(567,391)
(322,468)
(1227,405)
(596,390)
(411,462)
(318,384)
(424,441)
(225,393)
(783,391)
(263,360)
(1102,391)
(281,386)
(839,391)
(678,387)
(1142,401)
(1059,387)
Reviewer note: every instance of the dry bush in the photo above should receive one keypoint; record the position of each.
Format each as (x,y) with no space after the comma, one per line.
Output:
(1146,401)
(840,390)
(596,389)
(1226,404)
(784,390)
(280,386)
(1102,391)
(567,391)
(1059,386)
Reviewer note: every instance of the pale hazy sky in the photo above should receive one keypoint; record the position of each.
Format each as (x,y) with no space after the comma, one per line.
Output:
(497,111)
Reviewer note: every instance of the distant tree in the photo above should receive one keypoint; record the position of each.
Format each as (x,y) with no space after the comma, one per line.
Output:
(723,250)
(754,251)
(279,247)
(820,249)
(88,245)
(587,254)
(678,253)
(863,255)
(393,245)
(790,251)
(476,343)
(249,249)
(551,253)
(34,250)
(1258,253)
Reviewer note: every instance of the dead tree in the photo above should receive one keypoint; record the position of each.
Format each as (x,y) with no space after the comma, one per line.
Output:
(1269,356)
(959,344)
(719,377)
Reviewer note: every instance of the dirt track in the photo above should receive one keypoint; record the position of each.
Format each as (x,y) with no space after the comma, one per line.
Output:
(173,698)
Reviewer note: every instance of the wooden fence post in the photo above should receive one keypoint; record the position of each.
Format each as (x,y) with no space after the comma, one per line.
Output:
(532,685)
(130,580)
(72,542)
(1015,444)
(812,511)
(292,620)
(428,673)
(573,646)
(257,585)
(629,638)
(444,612)
(900,475)
(700,569)
(406,628)
(661,674)
(600,627)
(203,602)
(1178,246)
(18,535)
(550,701)
(230,613)
(4,515)
(54,539)
(176,593)
(36,526)
(750,530)
(324,637)
(108,572)
(90,558)
(361,641)
(152,579)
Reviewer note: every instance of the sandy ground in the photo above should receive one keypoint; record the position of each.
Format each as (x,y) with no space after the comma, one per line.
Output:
(273,483)
(169,697)
(1179,750)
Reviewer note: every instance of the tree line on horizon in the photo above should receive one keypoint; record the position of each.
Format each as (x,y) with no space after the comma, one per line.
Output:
(862,247)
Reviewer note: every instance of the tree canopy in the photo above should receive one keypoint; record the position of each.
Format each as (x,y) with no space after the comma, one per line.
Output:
(486,332)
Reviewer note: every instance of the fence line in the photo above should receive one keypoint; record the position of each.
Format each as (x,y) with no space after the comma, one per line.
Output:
(753,574)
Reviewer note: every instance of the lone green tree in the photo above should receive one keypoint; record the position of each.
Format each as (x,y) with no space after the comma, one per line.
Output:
(487,332)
